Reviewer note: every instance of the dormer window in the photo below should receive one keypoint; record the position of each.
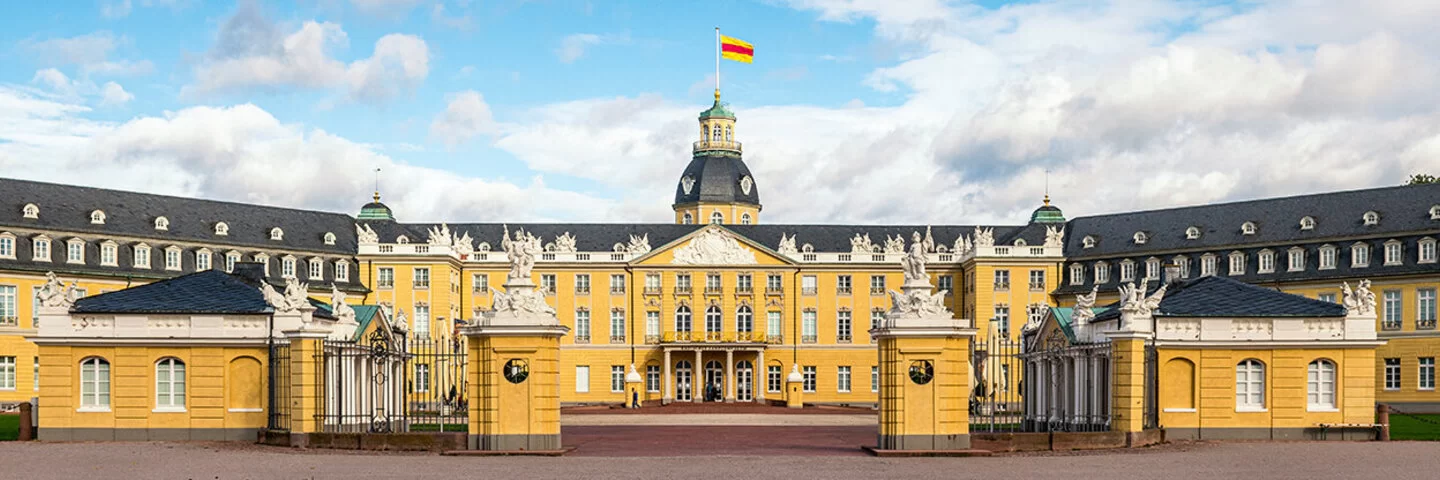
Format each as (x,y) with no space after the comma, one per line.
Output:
(110,254)
(277,234)
(1371,218)
(1247,228)
(40,249)
(1192,233)
(1394,253)
(1140,238)
(1359,255)
(75,251)
(172,258)
(1020,242)
(1435,212)
(329,238)
(317,269)
(807,248)
(264,261)
(222,229)
(1127,271)
(287,267)
(31,211)
(1265,262)
(1237,263)
(162,223)
(1297,259)
(7,245)
(1077,274)
(1087,242)
(1307,223)
(1152,268)
(141,258)
(1102,272)
(402,240)
(1426,247)
(97,217)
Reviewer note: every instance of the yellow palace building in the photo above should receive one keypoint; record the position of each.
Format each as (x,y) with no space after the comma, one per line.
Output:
(719,304)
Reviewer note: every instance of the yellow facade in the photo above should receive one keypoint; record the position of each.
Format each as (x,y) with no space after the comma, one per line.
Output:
(224,394)
(506,415)
(931,415)
(13,340)
(728,213)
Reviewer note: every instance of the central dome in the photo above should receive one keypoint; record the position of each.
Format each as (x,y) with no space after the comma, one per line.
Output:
(717,178)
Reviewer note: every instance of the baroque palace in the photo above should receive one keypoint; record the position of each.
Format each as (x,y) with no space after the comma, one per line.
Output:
(720,305)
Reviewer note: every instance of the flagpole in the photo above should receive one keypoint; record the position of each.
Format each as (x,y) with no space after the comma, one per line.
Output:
(717,64)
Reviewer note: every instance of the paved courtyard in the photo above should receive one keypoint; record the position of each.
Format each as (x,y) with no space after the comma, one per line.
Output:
(1307,461)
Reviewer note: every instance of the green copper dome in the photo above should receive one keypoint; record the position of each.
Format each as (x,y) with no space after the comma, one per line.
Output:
(375,211)
(717,110)
(1047,214)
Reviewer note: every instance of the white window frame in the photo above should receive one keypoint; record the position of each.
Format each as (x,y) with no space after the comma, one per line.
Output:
(1307,223)
(287,267)
(317,269)
(1250,386)
(173,253)
(1359,255)
(277,234)
(1329,256)
(1102,273)
(842,379)
(422,377)
(140,256)
(75,251)
(7,372)
(582,379)
(162,224)
(1391,377)
(652,379)
(717,217)
(774,378)
(9,306)
(617,379)
(1296,258)
(222,229)
(109,254)
(1248,228)
(1127,271)
(1209,263)
(1237,263)
(95,390)
(1265,262)
(808,328)
(617,325)
(1320,385)
(1394,253)
(1425,374)
(808,383)
(7,245)
(203,260)
(1077,274)
(1425,253)
(874,379)
(1192,233)
(342,271)
(774,325)
(170,391)
(421,320)
(385,278)
(582,325)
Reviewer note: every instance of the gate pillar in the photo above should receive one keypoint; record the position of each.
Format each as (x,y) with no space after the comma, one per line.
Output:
(307,395)
(924,367)
(514,353)
(1128,355)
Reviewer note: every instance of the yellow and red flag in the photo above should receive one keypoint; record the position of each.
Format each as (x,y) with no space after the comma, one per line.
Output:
(732,48)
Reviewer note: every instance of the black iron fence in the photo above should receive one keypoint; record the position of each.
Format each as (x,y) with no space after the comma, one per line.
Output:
(1068,388)
(279,381)
(1152,388)
(363,384)
(436,393)
(996,398)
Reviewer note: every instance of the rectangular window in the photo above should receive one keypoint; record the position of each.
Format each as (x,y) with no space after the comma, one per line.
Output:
(422,377)
(1127,271)
(422,320)
(9,306)
(1267,263)
(1393,254)
(1037,280)
(617,379)
(1327,258)
(877,317)
(682,283)
(773,326)
(652,283)
(1184,264)
(231,259)
(1207,265)
(41,250)
(877,284)
(1427,373)
(342,271)
(582,283)
(1360,256)
(744,283)
(808,285)
(1392,374)
(712,283)
(617,284)
(1237,264)
(1392,310)
(422,277)
(172,260)
(774,380)
(1427,251)
(1297,260)
(652,327)
(1327,297)
(617,326)
(808,374)
(1002,279)
(1320,385)
(75,252)
(842,326)
(874,379)
(385,277)
(843,285)
(807,326)
(772,283)
(107,255)
(582,326)
(843,380)
(7,247)
(652,378)
(34,312)
(1250,385)
(1425,308)
(94,384)
(7,373)
(947,284)
(582,379)
(1102,273)
(1002,320)
(142,257)
(547,283)
(35,375)
(480,282)
(1077,274)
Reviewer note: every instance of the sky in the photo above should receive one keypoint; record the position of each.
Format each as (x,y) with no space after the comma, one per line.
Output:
(854,111)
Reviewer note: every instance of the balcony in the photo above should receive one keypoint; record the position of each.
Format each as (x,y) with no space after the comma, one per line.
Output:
(652,339)
(774,291)
(744,290)
(617,291)
(714,337)
(1390,325)
(705,145)
(878,291)
(582,339)
(9,322)
(1037,287)
(842,338)
(582,290)
(774,339)
(617,339)
(714,290)
(422,285)
(845,291)
(1425,324)
(481,289)
(807,339)
(1002,286)
(652,290)
(807,291)
(685,290)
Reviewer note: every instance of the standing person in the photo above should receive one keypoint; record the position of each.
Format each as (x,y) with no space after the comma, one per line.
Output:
(634,398)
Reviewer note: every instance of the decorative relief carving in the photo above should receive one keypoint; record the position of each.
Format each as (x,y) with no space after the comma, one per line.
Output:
(564,244)
(787,245)
(745,184)
(167,322)
(687,184)
(54,293)
(1360,301)
(1084,310)
(639,245)
(1180,328)
(86,323)
(895,244)
(1133,299)
(1054,237)
(1250,327)
(365,235)
(713,246)
(1325,327)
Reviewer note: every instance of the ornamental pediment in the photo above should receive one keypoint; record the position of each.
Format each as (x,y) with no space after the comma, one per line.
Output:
(713,245)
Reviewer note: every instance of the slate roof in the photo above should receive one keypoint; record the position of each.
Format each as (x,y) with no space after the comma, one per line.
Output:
(717,179)
(1226,298)
(67,208)
(208,292)
(1402,209)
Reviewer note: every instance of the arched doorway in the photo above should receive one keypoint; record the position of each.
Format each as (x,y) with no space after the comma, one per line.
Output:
(682,381)
(744,381)
(714,381)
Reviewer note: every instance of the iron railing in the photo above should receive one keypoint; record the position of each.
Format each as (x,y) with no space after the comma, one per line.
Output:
(1068,388)
(996,403)
(279,391)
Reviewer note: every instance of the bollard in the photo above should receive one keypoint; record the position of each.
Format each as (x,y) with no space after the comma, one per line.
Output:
(1382,418)
(27,425)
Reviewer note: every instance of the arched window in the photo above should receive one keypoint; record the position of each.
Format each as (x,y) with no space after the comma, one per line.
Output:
(1435,212)
(1177,385)
(687,219)
(1247,228)
(1371,218)
(744,319)
(716,135)
(712,319)
(1320,385)
(1250,385)
(170,384)
(31,210)
(1140,238)
(222,229)
(277,234)
(728,136)
(97,217)
(744,219)
(1307,223)
(1088,242)
(717,218)
(329,238)
(1192,233)
(162,223)
(94,384)
(682,319)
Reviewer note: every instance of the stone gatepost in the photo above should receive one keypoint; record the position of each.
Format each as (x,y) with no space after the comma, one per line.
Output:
(924,367)
(514,352)
(307,394)
(1127,355)
(795,386)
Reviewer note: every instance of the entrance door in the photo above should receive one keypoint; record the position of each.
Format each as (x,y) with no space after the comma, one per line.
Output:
(682,381)
(714,381)
(744,379)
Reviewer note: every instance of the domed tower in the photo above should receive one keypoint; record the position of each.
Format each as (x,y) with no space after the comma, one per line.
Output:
(375,211)
(1047,213)
(717,187)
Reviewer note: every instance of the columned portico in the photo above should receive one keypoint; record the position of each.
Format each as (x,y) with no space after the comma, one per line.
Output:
(688,380)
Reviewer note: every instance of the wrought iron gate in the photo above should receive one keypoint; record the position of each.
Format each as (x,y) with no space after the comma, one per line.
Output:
(1152,388)
(279,391)
(1067,387)
(363,384)
(996,400)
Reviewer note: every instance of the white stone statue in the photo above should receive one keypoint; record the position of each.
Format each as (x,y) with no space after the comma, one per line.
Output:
(521,301)
(54,293)
(1133,299)
(365,235)
(1084,310)
(521,250)
(962,245)
(929,241)
(440,236)
(1360,301)
(713,246)
(639,245)
(1054,236)
(338,306)
(272,297)
(861,244)
(464,244)
(787,245)
(401,323)
(895,244)
(917,303)
(564,243)
(984,237)
(296,295)
(914,263)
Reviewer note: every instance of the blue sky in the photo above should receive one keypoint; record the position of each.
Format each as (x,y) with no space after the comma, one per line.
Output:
(582,111)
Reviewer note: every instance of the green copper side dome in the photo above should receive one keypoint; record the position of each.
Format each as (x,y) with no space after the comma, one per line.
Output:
(375,211)
(1047,213)
(717,110)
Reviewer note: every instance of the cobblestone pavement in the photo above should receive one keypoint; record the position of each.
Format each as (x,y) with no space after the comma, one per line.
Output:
(1307,461)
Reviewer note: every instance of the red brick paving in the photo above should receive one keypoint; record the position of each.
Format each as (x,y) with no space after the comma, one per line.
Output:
(715,407)
(685,441)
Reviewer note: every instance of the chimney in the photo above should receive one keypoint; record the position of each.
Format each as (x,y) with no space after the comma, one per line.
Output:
(252,272)
(1171,274)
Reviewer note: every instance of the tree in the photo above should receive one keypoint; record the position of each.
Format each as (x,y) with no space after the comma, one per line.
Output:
(1422,179)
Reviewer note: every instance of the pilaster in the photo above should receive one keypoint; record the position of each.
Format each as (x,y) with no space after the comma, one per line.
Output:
(1128,380)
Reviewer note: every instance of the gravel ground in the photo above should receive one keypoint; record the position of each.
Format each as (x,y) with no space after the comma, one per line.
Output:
(1210,461)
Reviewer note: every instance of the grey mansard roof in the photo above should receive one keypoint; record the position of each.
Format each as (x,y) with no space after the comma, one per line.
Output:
(1223,297)
(717,179)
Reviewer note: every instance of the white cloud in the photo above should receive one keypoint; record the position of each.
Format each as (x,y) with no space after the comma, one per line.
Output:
(573,46)
(462,22)
(385,7)
(56,81)
(90,52)
(466,116)
(234,153)
(115,9)
(112,94)
(251,53)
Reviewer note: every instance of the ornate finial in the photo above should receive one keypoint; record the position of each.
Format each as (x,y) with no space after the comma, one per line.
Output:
(717,96)
(1047,199)
(377,184)
(377,196)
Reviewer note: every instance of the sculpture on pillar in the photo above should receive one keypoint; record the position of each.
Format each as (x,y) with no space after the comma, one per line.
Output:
(55,293)
(296,294)
(916,300)
(365,235)
(1133,299)
(1084,307)
(1360,301)
(914,262)
(1054,237)
(521,250)
(338,306)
